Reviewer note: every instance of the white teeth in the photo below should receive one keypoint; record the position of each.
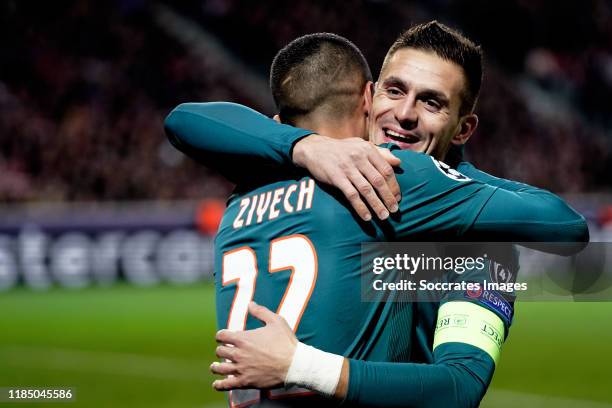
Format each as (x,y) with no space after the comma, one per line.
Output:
(406,139)
(392,133)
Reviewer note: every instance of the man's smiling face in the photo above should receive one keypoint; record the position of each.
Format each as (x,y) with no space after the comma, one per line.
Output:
(417,101)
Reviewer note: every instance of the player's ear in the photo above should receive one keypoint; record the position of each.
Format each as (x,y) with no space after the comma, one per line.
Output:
(467,127)
(367,97)
(277,118)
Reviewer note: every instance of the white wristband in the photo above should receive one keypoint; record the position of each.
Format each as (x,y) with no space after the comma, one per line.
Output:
(315,369)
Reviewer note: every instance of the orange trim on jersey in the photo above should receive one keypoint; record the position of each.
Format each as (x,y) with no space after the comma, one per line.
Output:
(243,404)
(306,393)
(292,269)
(224,283)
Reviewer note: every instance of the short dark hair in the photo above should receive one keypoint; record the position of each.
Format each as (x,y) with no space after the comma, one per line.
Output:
(451,45)
(318,72)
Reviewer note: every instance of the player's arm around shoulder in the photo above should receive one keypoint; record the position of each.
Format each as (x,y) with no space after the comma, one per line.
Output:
(536,216)
(223,135)
(232,129)
(484,212)
(536,206)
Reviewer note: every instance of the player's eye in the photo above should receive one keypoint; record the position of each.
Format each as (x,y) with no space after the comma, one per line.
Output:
(394,91)
(432,104)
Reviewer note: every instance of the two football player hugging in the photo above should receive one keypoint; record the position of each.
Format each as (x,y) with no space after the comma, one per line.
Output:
(324,344)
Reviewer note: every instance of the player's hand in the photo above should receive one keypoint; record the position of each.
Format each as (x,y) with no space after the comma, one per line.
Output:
(258,358)
(358,168)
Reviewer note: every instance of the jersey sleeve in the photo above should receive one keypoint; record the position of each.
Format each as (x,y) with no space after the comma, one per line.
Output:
(529,216)
(472,172)
(571,226)
(458,377)
(439,199)
(228,138)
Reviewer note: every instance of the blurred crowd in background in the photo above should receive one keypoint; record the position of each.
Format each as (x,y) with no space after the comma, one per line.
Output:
(85,86)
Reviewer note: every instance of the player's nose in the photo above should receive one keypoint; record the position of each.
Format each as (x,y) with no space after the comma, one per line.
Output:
(406,114)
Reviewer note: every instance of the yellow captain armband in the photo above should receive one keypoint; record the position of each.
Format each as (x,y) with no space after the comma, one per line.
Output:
(465,322)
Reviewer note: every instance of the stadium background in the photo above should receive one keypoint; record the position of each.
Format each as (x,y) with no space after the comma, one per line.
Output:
(106,231)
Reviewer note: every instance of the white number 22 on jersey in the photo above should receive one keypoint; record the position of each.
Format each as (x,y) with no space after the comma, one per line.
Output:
(295,253)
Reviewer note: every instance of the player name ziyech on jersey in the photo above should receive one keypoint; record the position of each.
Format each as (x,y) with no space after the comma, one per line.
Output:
(270,204)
